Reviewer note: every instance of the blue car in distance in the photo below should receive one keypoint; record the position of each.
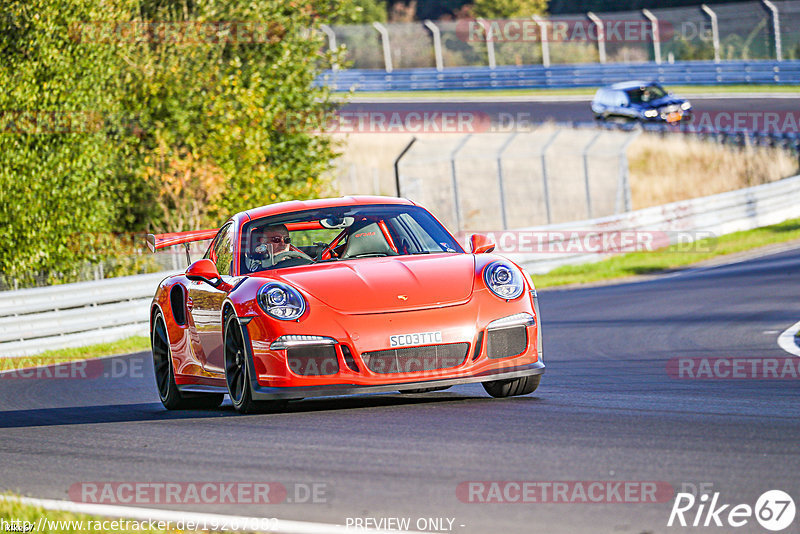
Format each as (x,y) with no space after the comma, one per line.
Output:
(638,101)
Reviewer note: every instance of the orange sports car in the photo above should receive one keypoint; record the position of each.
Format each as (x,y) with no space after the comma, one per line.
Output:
(336,297)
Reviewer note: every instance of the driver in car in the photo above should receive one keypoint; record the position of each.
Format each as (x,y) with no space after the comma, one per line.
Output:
(269,246)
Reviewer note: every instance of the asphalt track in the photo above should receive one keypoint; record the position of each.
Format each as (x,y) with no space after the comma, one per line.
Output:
(516,113)
(606,410)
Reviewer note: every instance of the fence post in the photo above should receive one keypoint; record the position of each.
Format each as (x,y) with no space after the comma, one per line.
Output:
(601,35)
(776,28)
(500,179)
(544,175)
(586,173)
(387,50)
(331,40)
(714,30)
(656,34)
(545,40)
(397,164)
(624,186)
(456,196)
(328,31)
(489,40)
(437,43)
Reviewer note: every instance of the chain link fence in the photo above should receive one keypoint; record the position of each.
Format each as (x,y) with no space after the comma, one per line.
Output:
(739,31)
(500,181)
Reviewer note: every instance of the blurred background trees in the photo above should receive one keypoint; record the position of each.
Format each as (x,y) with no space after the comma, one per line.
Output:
(111,126)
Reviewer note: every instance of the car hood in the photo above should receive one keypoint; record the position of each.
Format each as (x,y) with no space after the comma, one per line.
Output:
(376,285)
(668,100)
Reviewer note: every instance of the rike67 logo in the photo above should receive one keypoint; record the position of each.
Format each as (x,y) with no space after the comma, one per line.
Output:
(774,510)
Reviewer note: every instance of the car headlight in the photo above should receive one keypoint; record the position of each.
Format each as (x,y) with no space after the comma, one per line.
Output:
(281,301)
(504,280)
(650,113)
(686,105)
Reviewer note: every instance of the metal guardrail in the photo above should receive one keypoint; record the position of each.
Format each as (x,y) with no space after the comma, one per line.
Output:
(724,213)
(561,76)
(73,315)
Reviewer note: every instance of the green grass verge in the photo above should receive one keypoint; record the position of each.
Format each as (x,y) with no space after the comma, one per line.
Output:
(669,258)
(123,346)
(57,522)
(580,91)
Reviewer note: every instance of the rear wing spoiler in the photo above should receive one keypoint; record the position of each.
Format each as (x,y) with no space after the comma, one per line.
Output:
(159,241)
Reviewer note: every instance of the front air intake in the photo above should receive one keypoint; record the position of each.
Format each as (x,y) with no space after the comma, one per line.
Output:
(506,342)
(313,360)
(416,359)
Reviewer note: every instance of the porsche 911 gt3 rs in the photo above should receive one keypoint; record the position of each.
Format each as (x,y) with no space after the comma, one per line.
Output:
(335,297)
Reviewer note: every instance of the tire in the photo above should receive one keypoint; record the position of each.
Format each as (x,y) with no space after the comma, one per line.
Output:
(513,387)
(168,391)
(237,371)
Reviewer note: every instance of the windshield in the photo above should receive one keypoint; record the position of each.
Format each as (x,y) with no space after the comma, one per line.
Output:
(341,234)
(645,94)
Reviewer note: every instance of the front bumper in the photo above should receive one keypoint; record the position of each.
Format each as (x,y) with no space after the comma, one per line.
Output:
(487,357)
(269,393)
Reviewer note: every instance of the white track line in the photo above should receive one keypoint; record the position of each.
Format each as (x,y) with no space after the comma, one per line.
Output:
(786,340)
(251,524)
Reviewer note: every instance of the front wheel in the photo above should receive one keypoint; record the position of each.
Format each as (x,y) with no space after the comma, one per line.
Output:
(237,373)
(168,392)
(512,387)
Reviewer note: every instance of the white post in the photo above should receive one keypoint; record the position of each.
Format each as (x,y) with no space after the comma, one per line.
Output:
(500,180)
(545,40)
(328,31)
(489,39)
(387,51)
(624,186)
(601,35)
(454,180)
(586,173)
(776,28)
(656,35)
(714,30)
(437,43)
(545,187)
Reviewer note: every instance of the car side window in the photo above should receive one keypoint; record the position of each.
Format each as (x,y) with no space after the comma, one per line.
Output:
(221,250)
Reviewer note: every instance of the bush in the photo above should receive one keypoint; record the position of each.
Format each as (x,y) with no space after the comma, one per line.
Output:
(171,130)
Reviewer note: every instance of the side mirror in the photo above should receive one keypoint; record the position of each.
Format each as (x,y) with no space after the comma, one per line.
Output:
(204,271)
(480,244)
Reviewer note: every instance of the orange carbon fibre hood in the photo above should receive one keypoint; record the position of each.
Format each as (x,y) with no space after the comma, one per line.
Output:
(379,285)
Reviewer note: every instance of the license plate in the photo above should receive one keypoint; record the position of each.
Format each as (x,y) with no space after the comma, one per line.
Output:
(411,340)
(675,116)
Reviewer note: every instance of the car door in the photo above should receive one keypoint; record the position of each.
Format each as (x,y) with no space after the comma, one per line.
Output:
(205,304)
